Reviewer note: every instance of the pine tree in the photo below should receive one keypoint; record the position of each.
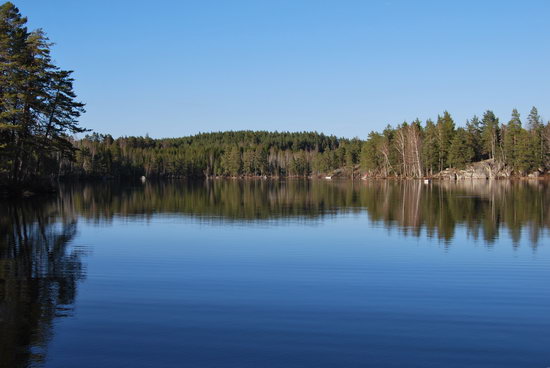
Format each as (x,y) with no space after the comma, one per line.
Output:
(231,161)
(445,132)
(430,148)
(526,160)
(38,109)
(511,140)
(546,139)
(490,133)
(249,162)
(370,160)
(261,161)
(536,129)
(461,152)
(473,128)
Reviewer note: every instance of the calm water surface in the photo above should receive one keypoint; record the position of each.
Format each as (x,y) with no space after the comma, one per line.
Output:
(277,274)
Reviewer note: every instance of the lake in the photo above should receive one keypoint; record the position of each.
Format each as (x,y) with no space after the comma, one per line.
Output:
(295,273)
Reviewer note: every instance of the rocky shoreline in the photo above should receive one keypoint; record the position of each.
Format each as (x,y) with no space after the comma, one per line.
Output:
(487,169)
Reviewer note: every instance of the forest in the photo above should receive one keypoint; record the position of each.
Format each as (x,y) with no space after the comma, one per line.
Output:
(241,153)
(408,150)
(41,140)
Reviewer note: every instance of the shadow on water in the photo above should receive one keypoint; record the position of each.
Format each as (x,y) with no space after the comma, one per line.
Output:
(39,274)
(40,268)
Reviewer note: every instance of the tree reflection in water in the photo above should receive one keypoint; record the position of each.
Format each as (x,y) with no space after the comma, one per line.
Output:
(39,273)
(484,208)
(40,269)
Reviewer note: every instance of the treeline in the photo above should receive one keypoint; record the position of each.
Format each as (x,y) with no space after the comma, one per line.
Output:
(39,114)
(38,107)
(407,150)
(251,153)
(416,150)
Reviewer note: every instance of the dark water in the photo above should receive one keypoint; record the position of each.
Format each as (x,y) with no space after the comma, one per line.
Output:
(277,274)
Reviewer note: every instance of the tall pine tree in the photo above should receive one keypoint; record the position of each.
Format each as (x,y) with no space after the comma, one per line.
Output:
(536,129)
(38,107)
(490,132)
(445,131)
(461,152)
(473,129)
(430,148)
(512,136)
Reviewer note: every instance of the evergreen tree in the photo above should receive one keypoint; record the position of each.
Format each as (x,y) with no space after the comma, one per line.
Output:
(430,148)
(445,132)
(490,133)
(536,128)
(262,164)
(526,160)
(249,162)
(473,128)
(407,150)
(231,161)
(38,109)
(511,139)
(546,140)
(371,159)
(461,152)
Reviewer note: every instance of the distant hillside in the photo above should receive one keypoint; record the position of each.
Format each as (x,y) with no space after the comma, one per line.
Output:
(409,150)
(232,153)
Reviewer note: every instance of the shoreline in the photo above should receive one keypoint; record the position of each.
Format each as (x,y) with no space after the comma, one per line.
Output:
(26,191)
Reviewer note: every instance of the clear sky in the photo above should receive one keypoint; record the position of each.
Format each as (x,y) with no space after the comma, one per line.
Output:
(174,68)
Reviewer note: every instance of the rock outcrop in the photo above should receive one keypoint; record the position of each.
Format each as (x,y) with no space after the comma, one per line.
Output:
(487,169)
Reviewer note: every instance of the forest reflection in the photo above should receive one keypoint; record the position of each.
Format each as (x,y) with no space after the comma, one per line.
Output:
(39,273)
(483,208)
(40,267)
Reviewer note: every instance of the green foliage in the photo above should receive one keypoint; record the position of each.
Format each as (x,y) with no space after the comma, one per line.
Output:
(408,150)
(490,134)
(430,149)
(371,158)
(39,113)
(539,144)
(445,132)
(461,152)
(513,133)
(475,140)
(231,161)
(526,159)
(225,153)
(38,107)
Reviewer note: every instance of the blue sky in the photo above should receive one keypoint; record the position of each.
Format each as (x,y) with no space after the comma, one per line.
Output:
(174,68)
